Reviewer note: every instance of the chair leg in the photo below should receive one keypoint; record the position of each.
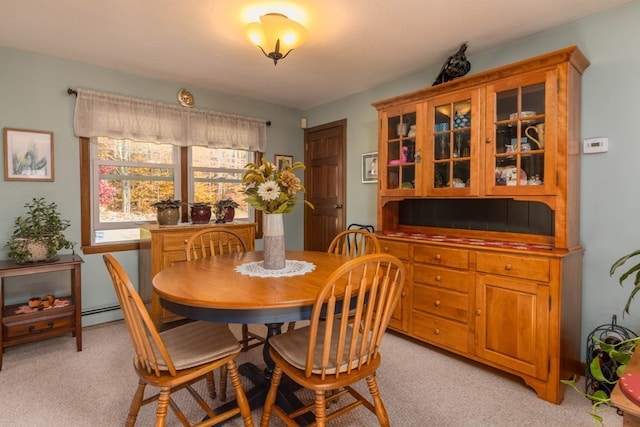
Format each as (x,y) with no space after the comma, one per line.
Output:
(163,406)
(136,402)
(321,408)
(211,385)
(291,326)
(223,383)
(243,402)
(271,397)
(381,411)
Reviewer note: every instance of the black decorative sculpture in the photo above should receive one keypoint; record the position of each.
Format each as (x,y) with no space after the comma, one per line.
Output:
(456,66)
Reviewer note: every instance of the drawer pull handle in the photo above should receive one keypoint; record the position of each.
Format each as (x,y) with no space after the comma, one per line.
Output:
(33,330)
(437,303)
(438,278)
(436,331)
(508,267)
(386,249)
(488,140)
(403,294)
(438,257)
(478,312)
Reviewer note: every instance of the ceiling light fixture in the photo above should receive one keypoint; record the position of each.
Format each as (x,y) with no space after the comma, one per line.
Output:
(275,33)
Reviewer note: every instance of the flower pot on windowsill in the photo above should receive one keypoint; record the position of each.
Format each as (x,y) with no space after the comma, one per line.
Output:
(200,213)
(168,211)
(227,208)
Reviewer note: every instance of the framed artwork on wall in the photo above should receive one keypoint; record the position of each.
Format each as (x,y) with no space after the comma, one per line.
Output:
(370,167)
(281,160)
(28,155)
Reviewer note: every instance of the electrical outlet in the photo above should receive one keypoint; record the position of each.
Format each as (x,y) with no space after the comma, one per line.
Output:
(595,145)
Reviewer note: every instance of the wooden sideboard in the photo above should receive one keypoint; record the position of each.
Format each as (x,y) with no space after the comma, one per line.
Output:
(160,246)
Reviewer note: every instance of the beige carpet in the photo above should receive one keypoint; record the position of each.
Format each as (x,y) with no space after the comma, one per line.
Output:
(50,384)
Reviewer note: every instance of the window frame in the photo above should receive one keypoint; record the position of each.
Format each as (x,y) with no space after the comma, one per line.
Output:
(86,202)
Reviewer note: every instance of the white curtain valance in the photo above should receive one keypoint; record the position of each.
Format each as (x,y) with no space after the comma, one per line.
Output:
(100,114)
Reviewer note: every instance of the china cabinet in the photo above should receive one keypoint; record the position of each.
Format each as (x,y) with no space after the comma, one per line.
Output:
(161,246)
(481,199)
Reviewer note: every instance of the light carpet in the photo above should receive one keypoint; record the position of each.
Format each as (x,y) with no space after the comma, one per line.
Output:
(49,384)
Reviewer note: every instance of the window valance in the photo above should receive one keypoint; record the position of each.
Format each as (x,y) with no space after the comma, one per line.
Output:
(115,116)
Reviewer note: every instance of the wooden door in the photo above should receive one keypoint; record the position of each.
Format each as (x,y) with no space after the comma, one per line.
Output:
(325,182)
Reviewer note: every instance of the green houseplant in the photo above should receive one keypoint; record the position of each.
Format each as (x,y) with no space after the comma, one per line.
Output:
(167,211)
(37,235)
(616,353)
(228,207)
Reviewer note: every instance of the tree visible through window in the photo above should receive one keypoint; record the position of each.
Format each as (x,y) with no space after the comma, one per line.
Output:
(127,177)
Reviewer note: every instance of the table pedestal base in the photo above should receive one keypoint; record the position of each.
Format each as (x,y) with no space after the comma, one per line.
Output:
(261,379)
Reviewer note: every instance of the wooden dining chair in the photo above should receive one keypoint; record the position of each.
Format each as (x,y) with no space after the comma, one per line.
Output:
(211,242)
(175,359)
(354,242)
(335,353)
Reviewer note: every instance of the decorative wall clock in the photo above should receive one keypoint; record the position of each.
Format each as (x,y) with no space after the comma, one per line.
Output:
(185,98)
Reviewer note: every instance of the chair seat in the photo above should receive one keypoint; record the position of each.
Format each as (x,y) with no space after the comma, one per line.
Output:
(292,346)
(198,343)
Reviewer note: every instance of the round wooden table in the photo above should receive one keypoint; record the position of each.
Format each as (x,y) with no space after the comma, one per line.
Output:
(211,289)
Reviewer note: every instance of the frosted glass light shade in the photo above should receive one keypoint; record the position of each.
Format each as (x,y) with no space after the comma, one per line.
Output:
(276,35)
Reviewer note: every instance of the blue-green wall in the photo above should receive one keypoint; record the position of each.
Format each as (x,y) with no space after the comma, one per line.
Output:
(610,206)
(33,96)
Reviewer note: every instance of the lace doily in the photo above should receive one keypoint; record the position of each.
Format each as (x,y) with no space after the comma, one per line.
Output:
(292,268)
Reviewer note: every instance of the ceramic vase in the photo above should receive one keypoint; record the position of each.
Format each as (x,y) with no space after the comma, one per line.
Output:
(229,213)
(168,216)
(200,214)
(273,241)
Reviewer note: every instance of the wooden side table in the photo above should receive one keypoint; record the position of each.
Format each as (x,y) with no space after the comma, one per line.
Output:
(38,325)
(631,417)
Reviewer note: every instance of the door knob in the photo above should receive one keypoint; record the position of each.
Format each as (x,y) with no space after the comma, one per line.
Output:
(337,206)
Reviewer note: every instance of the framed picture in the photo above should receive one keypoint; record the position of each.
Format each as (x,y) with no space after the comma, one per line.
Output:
(28,155)
(369,167)
(281,160)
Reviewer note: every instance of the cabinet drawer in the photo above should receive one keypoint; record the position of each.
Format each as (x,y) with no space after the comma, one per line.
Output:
(18,327)
(444,333)
(446,257)
(442,277)
(398,249)
(515,266)
(175,242)
(453,305)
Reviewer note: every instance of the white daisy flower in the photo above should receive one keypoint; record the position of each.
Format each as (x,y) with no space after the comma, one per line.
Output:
(269,190)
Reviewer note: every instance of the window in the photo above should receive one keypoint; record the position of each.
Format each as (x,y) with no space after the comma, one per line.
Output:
(121,179)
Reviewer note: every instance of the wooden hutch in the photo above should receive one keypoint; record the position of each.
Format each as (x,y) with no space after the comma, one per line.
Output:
(479,194)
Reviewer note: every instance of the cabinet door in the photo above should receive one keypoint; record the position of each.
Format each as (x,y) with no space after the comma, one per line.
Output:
(399,153)
(521,134)
(400,317)
(512,324)
(453,149)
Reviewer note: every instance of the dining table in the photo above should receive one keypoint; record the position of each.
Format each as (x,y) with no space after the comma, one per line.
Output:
(235,288)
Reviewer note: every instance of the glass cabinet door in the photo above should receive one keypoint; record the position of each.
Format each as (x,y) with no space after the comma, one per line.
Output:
(401,155)
(452,137)
(519,123)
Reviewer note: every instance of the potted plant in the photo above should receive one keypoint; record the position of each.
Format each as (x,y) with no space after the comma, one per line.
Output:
(200,212)
(228,206)
(613,354)
(168,211)
(37,235)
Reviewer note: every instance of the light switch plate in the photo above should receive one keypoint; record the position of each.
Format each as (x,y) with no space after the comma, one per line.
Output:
(595,145)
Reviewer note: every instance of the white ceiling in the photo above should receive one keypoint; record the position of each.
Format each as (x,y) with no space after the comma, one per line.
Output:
(353,45)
